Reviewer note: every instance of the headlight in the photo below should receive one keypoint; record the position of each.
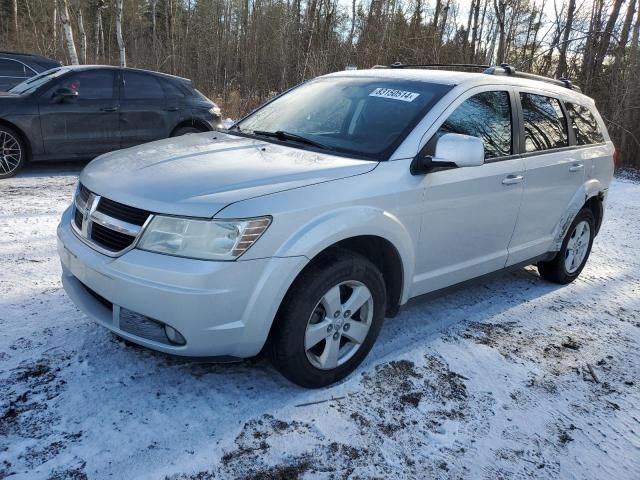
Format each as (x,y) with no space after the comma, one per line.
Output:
(202,239)
(215,111)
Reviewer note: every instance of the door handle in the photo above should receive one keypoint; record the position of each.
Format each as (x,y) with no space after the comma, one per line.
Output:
(172,109)
(576,167)
(109,109)
(512,179)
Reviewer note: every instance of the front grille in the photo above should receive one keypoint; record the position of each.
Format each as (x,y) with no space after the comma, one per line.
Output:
(122,212)
(83,194)
(110,239)
(105,230)
(77,218)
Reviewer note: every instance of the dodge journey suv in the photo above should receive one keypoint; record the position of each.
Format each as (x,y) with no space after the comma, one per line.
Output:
(301,227)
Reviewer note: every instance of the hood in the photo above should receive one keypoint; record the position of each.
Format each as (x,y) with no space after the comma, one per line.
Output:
(200,174)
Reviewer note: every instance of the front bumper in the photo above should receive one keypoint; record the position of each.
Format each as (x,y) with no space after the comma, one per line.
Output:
(220,308)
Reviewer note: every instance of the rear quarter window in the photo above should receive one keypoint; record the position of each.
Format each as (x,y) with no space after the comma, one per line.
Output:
(585,125)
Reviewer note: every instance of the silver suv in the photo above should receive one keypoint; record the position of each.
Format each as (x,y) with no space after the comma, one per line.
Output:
(300,228)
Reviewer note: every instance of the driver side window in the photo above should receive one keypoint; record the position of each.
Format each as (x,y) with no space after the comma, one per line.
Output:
(487,116)
(90,85)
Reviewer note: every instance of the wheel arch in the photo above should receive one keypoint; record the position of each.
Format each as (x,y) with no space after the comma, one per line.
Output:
(591,195)
(191,122)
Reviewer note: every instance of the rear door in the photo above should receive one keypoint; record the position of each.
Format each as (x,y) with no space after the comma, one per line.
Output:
(85,126)
(146,113)
(553,174)
(470,213)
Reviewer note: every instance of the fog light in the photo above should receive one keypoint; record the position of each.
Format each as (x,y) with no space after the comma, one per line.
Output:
(174,336)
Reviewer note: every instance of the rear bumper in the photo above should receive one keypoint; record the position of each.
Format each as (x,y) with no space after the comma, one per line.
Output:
(220,308)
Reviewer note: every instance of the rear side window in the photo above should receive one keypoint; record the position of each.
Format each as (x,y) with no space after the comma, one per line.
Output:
(11,68)
(487,116)
(172,90)
(139,86)
(584,124)
(545,126)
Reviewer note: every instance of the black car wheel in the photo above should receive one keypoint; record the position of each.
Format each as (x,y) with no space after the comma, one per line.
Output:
(184,130)
(12,152)
(329,319)
(576,247)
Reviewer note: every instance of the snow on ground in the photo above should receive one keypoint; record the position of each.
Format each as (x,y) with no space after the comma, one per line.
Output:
(490,381)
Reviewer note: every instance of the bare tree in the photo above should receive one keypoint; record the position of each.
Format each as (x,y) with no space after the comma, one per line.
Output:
(500,7)
(83,38)
(121,46)
(68,33)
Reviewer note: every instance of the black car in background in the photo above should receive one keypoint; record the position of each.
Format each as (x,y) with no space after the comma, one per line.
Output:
(81,112)
(18,67)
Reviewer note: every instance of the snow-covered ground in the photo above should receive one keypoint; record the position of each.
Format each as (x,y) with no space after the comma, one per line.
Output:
(491,381)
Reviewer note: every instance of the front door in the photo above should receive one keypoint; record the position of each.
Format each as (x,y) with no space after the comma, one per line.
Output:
(85,126)
(470,213)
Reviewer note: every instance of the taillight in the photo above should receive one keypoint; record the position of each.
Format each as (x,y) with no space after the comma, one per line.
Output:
(615,157)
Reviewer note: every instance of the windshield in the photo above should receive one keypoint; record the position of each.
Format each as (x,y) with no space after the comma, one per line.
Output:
(33,83)
(361,116)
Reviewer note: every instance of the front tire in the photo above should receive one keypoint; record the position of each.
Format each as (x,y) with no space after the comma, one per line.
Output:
(570,260)
(12,152)
(329,319)
(184,131)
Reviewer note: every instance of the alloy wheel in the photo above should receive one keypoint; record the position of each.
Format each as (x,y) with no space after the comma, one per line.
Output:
(577,246)
(10,153)
(339,325)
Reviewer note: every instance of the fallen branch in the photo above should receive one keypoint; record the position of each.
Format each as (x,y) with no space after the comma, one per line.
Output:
(319,401)
(593,374)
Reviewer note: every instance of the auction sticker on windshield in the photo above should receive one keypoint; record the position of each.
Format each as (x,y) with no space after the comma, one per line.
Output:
(394,94)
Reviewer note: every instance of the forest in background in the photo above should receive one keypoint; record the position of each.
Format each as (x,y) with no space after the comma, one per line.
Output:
(241,52)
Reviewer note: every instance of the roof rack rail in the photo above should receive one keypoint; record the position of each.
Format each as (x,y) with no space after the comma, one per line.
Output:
(433,65)
(506,69)
(502,69)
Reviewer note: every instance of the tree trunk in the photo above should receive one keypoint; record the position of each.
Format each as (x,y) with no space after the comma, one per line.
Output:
(14,16)
(121,46)
(68,33)
(83,38)
(562,60)
(500,8)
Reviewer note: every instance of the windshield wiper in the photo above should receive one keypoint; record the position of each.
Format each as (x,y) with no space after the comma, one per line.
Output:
(282,135)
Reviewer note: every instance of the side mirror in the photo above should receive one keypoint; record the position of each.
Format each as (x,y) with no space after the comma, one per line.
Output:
(462,150)
(452,150)
(65,94)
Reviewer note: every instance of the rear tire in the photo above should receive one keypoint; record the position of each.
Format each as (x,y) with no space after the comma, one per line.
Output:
(13,152)
(184,131)
(329,319)
(570,260)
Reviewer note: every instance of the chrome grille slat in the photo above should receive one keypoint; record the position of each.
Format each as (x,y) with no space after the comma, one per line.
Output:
(110,227)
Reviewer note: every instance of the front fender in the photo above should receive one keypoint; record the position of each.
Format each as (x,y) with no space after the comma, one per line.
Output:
(330,228)
(587,190)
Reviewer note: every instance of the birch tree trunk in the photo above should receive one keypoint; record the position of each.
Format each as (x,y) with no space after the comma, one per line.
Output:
(121,47)
(83,38)
(54,17)
(14,14)
(68,33)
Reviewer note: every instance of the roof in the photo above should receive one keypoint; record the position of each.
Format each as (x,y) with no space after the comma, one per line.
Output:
(114,67)
(454,78)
